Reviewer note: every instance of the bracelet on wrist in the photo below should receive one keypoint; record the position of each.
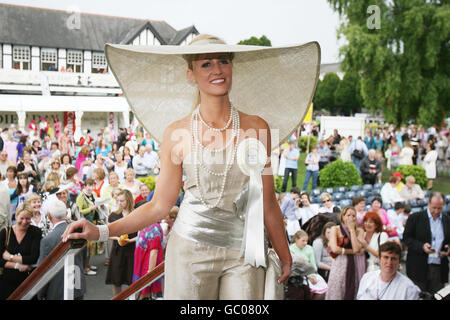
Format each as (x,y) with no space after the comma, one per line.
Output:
(343,251)
(104,233)
(16,266)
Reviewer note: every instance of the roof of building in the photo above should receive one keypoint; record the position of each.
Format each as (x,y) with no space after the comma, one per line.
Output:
(330,67)
(84,31)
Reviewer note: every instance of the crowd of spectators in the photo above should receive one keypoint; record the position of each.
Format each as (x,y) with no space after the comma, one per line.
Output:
(101,179)
(95,178)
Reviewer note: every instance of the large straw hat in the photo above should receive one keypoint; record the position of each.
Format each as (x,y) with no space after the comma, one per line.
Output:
(275,83)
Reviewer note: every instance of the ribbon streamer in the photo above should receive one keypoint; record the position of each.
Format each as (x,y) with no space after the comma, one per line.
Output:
(251,157)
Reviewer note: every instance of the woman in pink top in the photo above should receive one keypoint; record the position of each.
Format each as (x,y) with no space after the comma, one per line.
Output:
(387,226)
(82,156)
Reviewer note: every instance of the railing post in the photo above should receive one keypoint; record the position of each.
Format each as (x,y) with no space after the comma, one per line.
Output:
(69,276)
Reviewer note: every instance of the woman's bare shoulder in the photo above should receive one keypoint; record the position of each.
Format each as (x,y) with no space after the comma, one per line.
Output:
(249,121)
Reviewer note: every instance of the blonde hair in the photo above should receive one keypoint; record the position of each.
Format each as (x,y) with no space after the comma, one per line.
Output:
(32,197)
(410,179)
(129,170)
(23,207)
(100,173)
(299,234)
(326,195)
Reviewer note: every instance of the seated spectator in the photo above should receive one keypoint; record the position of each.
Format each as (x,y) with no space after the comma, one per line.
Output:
(320,246)
(396,219)
(405,214)
(288,209)
(306,210)
(54,289)
(377,206)
(329,208)
(360,206)
(372,239)
(387,283)
(389,192)
(301,248)
(144,193)
(411,190)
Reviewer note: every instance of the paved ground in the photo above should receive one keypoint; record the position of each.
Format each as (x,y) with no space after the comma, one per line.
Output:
(96,289)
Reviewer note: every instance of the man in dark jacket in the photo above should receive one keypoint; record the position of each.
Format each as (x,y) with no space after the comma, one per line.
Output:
(427,236)
(370,168)
(54,290)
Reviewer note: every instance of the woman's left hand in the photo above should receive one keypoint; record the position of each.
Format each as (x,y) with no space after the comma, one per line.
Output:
(286,269)
(6,255)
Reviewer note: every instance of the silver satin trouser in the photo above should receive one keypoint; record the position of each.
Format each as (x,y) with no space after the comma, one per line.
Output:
(194,271)
(203,259)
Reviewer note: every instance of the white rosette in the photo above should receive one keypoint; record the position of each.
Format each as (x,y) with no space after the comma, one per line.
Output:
(251,157)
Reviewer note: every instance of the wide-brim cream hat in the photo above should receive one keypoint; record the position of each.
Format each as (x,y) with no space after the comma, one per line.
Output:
(275,83)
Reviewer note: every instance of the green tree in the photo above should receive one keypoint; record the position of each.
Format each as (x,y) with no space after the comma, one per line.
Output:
(347,96)
(404,62)
(254,41)
(324,96)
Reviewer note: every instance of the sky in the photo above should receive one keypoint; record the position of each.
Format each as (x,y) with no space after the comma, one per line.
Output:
(282,21)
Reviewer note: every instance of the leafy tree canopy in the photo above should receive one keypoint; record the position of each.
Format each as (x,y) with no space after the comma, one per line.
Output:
(400,49)
(254,41)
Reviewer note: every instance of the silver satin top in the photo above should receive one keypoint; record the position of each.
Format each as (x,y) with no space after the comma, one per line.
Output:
(222,226)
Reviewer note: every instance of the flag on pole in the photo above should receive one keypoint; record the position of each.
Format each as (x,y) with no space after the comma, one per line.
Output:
(308,117)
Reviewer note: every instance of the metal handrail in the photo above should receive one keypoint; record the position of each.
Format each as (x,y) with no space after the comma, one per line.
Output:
(46,270)
(144,281)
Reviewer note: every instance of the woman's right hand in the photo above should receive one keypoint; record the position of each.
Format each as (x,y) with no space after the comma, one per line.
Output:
(89,231)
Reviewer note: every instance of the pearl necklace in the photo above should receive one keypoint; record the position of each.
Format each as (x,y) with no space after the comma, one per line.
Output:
(198,150)
(212,128)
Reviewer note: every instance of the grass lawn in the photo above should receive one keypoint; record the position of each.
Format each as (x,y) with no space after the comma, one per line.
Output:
(442,183)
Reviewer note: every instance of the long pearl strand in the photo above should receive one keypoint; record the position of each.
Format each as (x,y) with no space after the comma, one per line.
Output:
(198,146)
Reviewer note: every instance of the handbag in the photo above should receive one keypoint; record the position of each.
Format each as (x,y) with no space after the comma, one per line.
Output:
(358,154)
(8,235)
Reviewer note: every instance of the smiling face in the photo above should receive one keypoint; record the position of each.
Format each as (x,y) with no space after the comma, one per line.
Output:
(212,73)
(23,220)
(36,205)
